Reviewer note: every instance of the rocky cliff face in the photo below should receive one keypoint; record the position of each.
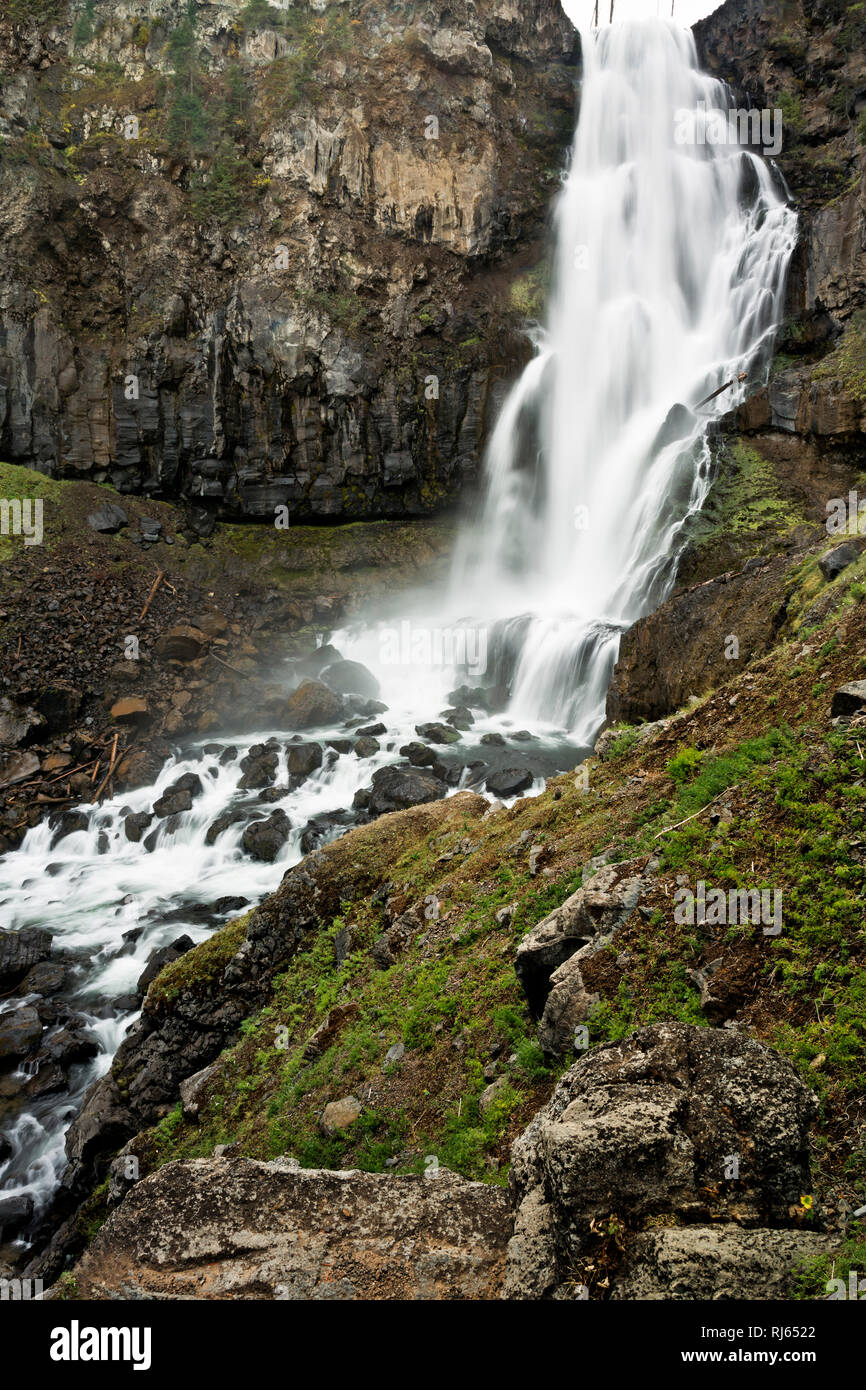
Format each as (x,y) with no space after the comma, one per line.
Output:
(807,60)
(272,255)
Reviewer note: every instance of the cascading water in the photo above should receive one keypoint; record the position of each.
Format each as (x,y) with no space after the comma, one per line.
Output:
(670,263)
(669,275)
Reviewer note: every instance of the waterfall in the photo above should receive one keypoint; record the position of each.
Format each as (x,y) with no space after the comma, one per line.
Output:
(668,281)
(669,272)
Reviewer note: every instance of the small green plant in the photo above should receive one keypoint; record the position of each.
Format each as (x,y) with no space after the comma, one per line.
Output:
(828,1276)
(621,745)
(684,764)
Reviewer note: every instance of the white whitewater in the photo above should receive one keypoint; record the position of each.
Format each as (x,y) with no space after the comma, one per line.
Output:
(670,263)
(668,281)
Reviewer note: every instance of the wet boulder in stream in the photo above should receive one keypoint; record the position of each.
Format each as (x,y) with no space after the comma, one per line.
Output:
(437,733)
(418,754)
(310,667)
(65,823)
(396,787)
(259,767)
(304,758)
(224,821)
(179,796)
(311,704)
(71,1045)
(20,1031)
(265,838)
(16,1209)
(45,978)
(135,824)
(322,827)
(509,781)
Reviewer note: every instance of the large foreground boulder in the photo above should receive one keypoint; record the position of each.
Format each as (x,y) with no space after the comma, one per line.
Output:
(237,1228)
(673,1126)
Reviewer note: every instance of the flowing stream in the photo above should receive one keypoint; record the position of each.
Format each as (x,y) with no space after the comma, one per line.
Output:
(668,276)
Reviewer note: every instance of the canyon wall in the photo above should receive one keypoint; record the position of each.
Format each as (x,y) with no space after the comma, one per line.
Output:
(273,255)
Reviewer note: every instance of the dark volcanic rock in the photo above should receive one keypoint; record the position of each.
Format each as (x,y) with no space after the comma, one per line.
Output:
(835,561)
(67,823)
(394,788)
(231,816)
(265,838)
(20,1031)
(437,733)
(135,824)
(509,781)
(230,904)
(179,796)
(182,643)
(162,957)
(70,1046)
(683,648)
(310,667)
(108,518)
(20,951)
(16,1209)
(259,767)
(418,754)
(45,978)
(304,758)
(263,385)
(60,705)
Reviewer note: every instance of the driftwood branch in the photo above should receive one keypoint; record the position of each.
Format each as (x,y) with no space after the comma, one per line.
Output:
(151,596)
(112,760)
(68,772)
(226,664)
(668,828)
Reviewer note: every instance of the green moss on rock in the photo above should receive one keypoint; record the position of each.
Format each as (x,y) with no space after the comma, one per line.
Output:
(197,970)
